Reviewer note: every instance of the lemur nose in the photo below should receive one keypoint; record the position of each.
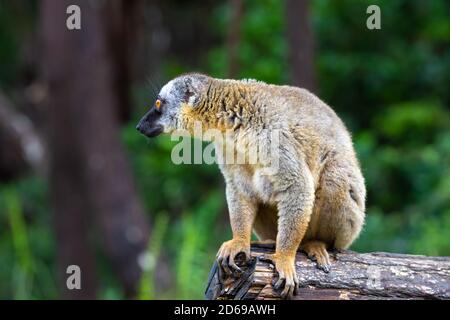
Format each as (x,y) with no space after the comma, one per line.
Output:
(138,127)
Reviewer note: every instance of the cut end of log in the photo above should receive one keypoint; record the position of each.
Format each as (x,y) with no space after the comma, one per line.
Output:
(353,276)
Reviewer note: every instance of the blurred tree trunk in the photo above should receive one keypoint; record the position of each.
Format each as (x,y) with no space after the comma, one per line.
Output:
(90,180)
(300,38)
(234,35)
(123,20)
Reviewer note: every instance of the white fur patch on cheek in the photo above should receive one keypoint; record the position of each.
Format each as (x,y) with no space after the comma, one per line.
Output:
(168,121)
(164,122)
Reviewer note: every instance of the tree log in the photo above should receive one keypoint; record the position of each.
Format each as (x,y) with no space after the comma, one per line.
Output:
(353,276)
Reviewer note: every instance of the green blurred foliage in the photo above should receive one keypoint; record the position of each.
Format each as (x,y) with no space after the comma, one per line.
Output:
(365,70)
(17,18)
(390,86)
(262,50)
(27,244)
(405,157)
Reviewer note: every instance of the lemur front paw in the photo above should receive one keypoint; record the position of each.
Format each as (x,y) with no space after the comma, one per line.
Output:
(228,251)
(287,276)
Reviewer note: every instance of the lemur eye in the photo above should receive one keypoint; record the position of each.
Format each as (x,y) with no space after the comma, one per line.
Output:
(158,104)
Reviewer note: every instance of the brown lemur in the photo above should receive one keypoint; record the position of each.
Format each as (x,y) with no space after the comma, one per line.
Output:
(313,201)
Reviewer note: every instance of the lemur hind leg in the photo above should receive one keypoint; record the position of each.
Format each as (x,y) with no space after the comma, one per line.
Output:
(317,251)
(343,204)
(338,214)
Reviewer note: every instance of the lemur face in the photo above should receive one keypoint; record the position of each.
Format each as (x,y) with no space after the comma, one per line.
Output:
(184,91)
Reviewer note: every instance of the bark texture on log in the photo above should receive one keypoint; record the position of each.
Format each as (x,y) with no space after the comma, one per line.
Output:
(358,276)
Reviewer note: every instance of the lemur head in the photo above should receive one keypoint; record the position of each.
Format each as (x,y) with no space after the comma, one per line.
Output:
(176,99)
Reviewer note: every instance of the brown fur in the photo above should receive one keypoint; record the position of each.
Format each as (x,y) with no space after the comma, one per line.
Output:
(315,201)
